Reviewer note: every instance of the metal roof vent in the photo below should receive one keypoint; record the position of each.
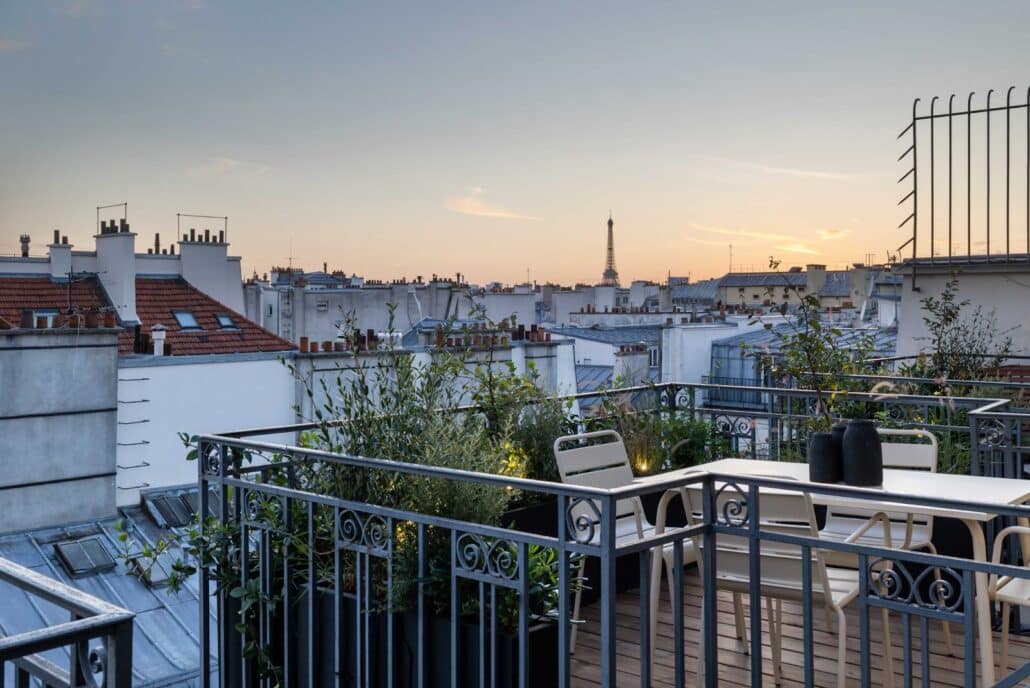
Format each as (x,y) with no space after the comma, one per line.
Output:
(84,557)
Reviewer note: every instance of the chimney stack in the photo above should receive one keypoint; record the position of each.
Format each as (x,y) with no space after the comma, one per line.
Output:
(157,333)
(25,239)
(57,236)
(193,234)
(207,236)
(157,242)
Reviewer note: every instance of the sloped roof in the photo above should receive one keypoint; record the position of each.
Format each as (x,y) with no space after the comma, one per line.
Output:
(632,334)
(836,284)
(157,298)
(165,643)
(763,279)
(771,341)
(43,293)
(705,290)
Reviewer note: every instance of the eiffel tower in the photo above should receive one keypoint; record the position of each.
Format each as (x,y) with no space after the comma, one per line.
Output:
(611,275)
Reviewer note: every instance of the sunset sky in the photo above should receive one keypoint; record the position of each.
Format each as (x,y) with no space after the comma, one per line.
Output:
(395,139)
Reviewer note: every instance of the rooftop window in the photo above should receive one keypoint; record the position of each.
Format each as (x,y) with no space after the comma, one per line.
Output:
(186,320)
(225,321)
(84,557)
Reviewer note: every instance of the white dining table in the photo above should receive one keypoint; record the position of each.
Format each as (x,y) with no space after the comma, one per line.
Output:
(897,484)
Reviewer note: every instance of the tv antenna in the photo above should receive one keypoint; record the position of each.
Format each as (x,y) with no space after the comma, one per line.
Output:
(123,206)
(223,218)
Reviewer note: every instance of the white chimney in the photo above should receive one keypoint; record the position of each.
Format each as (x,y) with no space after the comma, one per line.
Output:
(206,265)
(116,265)
(157,335)
(60,257)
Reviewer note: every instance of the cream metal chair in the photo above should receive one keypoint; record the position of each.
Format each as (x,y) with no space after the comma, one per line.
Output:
(599,459)
(787,512)
(916,451)
(1008,590)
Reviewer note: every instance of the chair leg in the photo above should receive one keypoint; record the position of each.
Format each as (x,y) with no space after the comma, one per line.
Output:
(656,587)
(575,609)
(774,640)
(1004,638)
(842,652)
(701,647)
(945,624)
(888,650)
(738,620)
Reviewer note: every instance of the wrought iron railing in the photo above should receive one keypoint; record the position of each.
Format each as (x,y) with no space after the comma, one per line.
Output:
(27,654)
(314,589)
(359,628)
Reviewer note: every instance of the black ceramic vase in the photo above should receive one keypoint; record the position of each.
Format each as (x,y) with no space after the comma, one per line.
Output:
(824,459)
(838,439)
(862,454)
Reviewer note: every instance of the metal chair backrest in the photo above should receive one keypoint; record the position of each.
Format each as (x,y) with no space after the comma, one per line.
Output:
(781,565)
(598,459)
(916,451)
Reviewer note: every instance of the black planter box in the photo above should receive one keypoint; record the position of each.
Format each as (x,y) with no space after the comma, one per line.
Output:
(675,516)
(539,518)
(543,652)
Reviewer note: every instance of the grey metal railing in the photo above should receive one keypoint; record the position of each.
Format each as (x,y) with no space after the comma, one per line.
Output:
(313,589)
(107,664)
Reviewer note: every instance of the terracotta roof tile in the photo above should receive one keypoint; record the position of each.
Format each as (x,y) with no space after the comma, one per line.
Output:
(42,293)
(156,299)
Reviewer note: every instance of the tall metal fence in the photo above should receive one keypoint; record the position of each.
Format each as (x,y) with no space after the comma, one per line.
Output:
(967,175)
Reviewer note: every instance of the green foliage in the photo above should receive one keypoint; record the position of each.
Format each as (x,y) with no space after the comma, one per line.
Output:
(964,343)
(659,441)
(811,358)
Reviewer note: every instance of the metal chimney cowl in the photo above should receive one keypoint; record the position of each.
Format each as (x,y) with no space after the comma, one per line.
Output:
(157,334)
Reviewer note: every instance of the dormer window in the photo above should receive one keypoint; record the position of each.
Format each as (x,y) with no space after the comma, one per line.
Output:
(47,314)
(186,320)
(225,321)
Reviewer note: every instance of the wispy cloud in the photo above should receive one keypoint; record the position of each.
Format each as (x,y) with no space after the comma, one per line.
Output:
(831,233)
(746,233)
(763,168)
(473,203)
(8,45)
(811,174)
(74,8)
(784,242)
(714,242)
(798,248)
(221,166)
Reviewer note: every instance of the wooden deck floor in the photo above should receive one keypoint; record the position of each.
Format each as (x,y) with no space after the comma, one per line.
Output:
(734,665)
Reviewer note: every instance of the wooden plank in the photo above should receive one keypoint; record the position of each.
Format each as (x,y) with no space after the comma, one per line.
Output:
(734,664)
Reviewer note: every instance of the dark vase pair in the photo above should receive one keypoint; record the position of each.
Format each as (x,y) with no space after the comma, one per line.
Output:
(850,453)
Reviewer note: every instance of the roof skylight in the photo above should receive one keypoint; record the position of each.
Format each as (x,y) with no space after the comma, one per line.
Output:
(186,320)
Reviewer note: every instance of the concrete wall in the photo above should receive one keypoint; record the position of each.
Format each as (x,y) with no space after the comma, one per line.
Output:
(687,350)
(209,267)
(58,415)
(317,313)
(588,351)
(565,303)
(501,306)
(195,395)
(1001,287)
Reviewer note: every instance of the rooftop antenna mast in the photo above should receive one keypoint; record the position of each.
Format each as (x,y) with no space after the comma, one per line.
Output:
(731,258)
(223,218)
(123,206)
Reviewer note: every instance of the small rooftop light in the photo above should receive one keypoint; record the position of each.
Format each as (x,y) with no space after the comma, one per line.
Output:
(84,557)
(225,321)
(186,320)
